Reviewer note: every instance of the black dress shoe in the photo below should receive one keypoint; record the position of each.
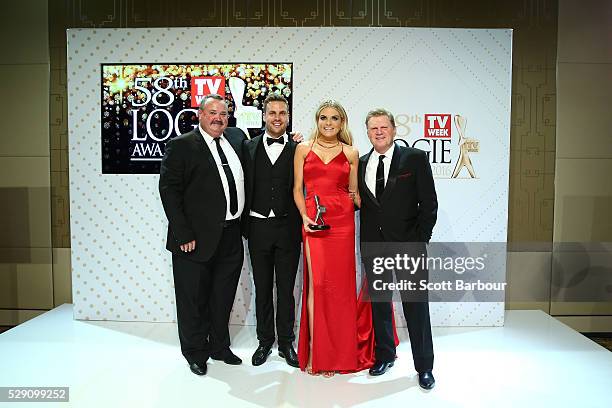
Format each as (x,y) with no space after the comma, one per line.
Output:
(288,353)
(381,367)
(198,368)
(261,355)
(426,380)
(228,358)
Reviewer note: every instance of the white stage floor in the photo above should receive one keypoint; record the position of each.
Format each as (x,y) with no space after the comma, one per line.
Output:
(533,361)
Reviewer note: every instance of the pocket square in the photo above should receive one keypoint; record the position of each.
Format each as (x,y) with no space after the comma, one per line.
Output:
(405,175)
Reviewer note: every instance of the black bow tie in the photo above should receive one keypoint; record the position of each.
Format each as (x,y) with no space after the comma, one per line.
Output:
(270,141)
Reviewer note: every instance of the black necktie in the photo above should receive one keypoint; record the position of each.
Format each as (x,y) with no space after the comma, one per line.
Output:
(230,178)
(380,177)
(271,140)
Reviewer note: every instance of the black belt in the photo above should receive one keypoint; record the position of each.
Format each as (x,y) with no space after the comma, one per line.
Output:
(229,223)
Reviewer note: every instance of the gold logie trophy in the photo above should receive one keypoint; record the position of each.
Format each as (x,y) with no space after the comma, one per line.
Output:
(319,224)
(466,146)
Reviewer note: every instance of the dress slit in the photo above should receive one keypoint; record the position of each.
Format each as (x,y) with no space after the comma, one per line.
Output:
(309,292)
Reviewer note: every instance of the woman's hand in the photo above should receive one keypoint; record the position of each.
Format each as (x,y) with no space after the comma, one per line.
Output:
(355,198)
(307,222)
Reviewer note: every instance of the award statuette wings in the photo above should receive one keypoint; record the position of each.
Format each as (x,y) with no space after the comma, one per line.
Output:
(319,222)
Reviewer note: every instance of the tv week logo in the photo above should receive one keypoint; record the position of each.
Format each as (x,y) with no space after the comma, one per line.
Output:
(438,125)
(206,85)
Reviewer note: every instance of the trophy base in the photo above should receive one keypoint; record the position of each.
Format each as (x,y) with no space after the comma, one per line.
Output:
(319,227)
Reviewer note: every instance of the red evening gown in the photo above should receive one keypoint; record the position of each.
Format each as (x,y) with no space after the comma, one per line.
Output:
(343,335)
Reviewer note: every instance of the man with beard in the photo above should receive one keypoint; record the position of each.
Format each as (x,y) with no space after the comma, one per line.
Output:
(273,227)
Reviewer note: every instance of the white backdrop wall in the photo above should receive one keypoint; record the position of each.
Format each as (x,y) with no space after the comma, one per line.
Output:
(121,270)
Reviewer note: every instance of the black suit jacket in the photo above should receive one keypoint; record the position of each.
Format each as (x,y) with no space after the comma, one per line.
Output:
(249,153)
(192,194)
(409,205)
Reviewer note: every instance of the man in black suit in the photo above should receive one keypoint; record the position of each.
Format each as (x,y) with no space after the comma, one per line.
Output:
(398,204)
(272,224)
(201,185)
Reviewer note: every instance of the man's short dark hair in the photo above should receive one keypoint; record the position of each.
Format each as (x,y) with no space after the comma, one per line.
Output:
(275,97)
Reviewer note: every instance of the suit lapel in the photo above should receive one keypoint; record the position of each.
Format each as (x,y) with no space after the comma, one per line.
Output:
(252,147)
(235,143)
(205,150)
(252,151)
(199,140)
(393,172)
(361,174)
(291,150)
(286,151)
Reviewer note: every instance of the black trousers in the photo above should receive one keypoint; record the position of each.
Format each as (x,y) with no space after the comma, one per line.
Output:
(419,330)
(205,294)
(274,258)
(416,314)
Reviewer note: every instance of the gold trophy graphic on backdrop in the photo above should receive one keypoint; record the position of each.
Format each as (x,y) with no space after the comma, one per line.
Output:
(466,146)
(246,116)
(319,224)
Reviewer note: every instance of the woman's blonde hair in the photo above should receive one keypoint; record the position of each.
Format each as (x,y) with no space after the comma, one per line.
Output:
(345,134)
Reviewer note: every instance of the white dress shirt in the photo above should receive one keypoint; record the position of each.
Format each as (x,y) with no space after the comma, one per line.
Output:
(273,151)
(370,173)
(235,166)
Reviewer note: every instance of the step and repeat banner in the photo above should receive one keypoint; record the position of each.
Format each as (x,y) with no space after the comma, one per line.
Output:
(132,90)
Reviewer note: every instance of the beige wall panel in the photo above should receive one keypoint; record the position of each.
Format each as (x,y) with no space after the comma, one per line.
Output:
(581,308)
(585,218)
(15,317)
(40,217)
(62,276)
(581,281)
(24,172)
(25,90)
(528,277)
(583,200)
(543,306)
(24,32)
(15,217)
(585,30)
(586,324)
(25,217)
(26,286)
(25,256)
(584,99)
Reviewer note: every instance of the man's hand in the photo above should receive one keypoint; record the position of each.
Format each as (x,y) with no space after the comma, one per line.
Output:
(188,247)
(297,137)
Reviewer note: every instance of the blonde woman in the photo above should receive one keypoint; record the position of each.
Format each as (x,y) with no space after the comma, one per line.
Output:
(331,339)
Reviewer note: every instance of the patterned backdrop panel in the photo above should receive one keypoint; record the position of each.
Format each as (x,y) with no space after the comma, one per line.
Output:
(121,270)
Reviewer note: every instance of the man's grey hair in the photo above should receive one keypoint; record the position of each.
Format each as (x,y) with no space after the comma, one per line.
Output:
(211,96)
(380,112)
